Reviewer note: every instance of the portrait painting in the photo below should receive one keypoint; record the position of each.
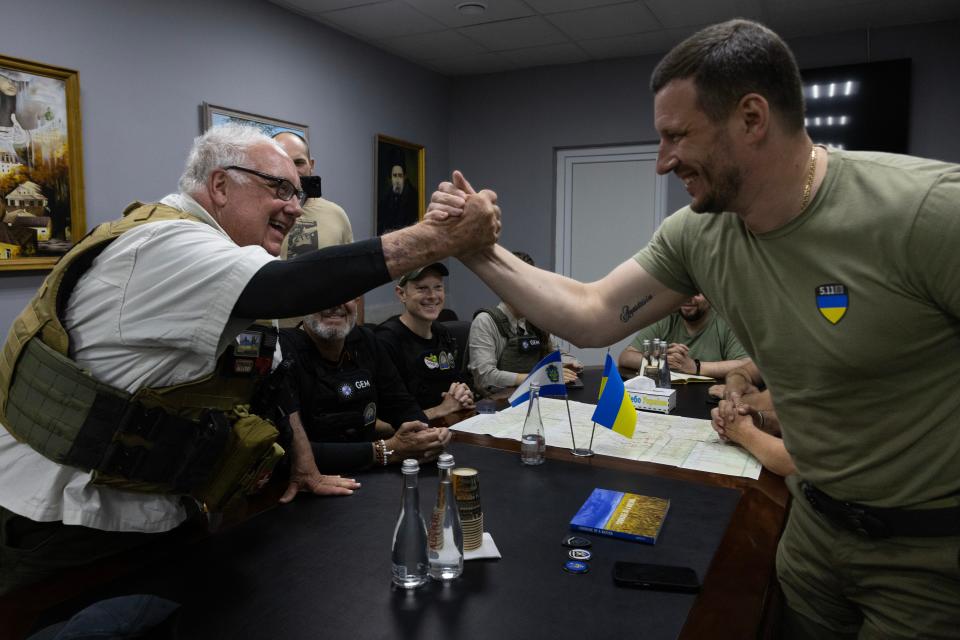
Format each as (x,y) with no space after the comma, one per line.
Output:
(41,172)
(399,183)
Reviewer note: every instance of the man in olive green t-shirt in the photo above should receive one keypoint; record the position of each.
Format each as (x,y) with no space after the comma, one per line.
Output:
(700,342)
(839,273)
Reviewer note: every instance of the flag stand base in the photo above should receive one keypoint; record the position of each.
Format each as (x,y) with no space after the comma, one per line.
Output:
(582,453)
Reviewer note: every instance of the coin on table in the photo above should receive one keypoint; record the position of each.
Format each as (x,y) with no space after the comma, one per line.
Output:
(580,554)
(576,542)
(575,566)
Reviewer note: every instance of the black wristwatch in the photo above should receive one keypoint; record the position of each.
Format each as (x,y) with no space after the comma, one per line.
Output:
(697,362)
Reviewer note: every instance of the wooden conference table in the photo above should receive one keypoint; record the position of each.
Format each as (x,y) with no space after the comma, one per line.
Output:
(320,567)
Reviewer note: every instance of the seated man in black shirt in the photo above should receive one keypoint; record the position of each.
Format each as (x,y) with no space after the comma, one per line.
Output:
(344,389)
(426,354)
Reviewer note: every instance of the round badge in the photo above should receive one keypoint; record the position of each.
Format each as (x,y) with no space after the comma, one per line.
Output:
(580,554)
(575,566)
(576,542)
(370,414)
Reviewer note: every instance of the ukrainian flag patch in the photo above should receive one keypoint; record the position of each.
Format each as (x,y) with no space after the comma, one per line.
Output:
(832,301)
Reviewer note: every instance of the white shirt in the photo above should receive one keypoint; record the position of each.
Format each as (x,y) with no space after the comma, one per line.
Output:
(153,310)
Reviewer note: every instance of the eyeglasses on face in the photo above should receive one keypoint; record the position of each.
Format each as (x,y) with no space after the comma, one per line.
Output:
(285,189)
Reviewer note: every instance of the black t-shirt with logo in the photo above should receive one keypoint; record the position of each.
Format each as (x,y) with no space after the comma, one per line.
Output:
(340,401)
(428,367)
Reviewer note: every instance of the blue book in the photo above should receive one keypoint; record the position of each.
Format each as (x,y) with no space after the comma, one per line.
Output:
(622,515)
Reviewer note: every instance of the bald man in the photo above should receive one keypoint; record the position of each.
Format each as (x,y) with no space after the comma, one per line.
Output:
(323,223)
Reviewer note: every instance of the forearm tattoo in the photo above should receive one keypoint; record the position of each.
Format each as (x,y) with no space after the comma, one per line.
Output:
(628,312)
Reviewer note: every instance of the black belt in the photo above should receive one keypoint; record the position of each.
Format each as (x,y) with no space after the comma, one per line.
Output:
(876,522)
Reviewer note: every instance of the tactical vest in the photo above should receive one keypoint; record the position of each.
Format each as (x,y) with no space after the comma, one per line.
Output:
(194,438)
(338,401)
(522,352)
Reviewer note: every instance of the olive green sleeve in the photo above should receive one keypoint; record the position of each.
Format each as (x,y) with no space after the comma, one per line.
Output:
(665,257)
(932,247)
(731,349)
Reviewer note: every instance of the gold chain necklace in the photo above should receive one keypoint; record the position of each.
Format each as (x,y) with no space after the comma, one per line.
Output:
(808,185)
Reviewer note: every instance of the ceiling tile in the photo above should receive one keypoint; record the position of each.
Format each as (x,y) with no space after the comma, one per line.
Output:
(554,6)
(797,20)
(565,53)
(431,46)
(471,65)
(616,20)
(806,5)
(514,34)
(640,44)
(445,11)
(535,32)
(380,21)
(673,14)
(313,7)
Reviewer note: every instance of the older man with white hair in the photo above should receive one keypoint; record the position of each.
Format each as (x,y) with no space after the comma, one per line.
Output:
(144,325)
(340,383)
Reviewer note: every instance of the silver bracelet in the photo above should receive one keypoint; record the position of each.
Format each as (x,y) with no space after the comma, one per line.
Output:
(760,413)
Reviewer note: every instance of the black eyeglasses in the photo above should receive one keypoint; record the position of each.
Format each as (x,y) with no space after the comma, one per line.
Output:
(285,189)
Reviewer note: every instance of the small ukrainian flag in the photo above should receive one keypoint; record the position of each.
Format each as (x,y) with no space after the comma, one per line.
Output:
(614,409)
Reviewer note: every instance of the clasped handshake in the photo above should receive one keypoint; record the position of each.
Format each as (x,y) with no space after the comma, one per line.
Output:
(470,219)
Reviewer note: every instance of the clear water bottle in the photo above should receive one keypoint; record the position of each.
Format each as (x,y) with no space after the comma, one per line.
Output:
(532,441)
(664,381)
(445,540)
(410,566)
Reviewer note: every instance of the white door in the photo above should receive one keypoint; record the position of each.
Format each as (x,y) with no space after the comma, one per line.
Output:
(610,200)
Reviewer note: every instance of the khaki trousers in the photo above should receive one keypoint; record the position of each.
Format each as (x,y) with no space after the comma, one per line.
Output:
(860,587)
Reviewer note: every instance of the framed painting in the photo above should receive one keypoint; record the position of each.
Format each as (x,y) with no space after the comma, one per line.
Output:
(41,164)
(213,115)
(399,176)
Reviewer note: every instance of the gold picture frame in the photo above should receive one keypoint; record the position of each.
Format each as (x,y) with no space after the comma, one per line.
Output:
(41,164)
(399,179)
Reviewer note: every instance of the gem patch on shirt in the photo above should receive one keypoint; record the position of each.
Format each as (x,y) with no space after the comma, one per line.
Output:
(832,301)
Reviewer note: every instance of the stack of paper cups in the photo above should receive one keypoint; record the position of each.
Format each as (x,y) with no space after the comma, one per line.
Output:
(466,486)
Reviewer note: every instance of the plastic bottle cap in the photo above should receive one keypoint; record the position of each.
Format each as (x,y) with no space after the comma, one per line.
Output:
(410,466)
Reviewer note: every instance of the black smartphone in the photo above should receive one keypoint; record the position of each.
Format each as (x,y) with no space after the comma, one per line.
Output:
(659,577)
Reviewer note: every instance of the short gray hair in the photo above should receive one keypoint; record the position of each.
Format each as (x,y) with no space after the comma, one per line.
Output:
(221,146)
